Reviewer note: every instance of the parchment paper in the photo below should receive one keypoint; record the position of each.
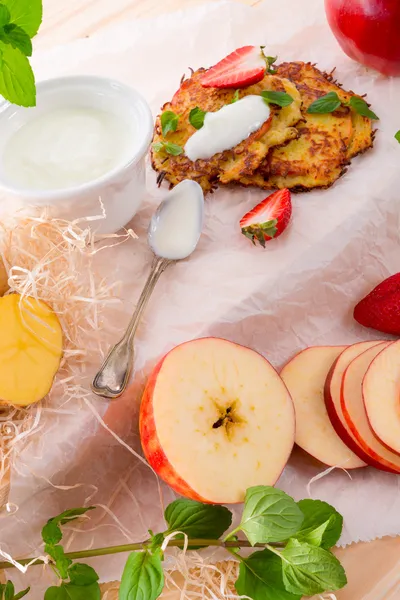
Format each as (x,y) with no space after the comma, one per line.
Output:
(300,291)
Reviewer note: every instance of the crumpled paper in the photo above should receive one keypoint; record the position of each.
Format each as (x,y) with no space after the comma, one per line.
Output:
(300,291)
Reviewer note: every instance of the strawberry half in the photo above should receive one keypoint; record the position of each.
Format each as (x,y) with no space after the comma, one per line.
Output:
(241,68)
(380,309)
(269,218)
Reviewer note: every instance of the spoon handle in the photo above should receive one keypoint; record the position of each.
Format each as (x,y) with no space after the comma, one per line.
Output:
(113,377)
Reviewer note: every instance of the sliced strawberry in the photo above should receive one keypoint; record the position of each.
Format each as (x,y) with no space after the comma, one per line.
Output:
(241,68)
(269,218)
(380,309)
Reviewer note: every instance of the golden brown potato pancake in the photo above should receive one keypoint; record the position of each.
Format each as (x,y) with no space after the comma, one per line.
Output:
(230,165)
(327,142)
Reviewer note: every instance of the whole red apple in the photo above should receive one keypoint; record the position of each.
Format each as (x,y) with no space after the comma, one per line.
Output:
(368,31)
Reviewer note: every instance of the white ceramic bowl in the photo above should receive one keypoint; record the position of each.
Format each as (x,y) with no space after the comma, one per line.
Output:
(122,189)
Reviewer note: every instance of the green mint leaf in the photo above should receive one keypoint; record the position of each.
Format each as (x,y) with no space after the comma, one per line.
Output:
(4,15)
(81,574)
(71,515)
(56,593)
(156,541)
(235,97)
(260,578)
(158,146)
(397,136)
(168,147)
(169,122)
(326,104)
(78,592)
(61,562)
(309,570)
(143,577)
(68,591)
(278,98)
(27,14)
(196,520)
(51,532)
(17,38)
(173,149)
(269,515)
(314,536)
(22,594)
(17,82)
(196,117)
(322,525)
(362,108)
(9,591)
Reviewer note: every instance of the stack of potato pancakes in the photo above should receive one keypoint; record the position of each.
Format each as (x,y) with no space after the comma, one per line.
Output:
(293,149)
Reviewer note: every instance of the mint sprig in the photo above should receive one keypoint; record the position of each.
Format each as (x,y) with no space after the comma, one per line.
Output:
(196,520)
(294,559)
(269,515)
(196,117)
(261,578)
(308,570)
(143,577)
(362,108)
(279,98)
(330,102)
(7,591)
(168,147)
(326,104)
(19,23)
(322,525)
(169,122)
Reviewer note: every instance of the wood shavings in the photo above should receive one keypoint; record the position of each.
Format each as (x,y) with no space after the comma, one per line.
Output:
(194,579)
(3,279)
(53,260)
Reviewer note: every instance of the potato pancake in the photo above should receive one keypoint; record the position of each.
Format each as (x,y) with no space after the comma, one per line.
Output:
(230,165)
(327,142)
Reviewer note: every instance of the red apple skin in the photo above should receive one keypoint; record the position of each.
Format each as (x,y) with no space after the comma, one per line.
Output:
(368,31)
(151,446)
(375,434)
(337,423)
(372,459)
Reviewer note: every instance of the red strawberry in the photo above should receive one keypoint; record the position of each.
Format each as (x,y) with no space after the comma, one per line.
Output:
(381,308)
(241,68)
(269,218)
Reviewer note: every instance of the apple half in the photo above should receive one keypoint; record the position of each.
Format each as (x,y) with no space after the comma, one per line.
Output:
(354,413)
(381,393)
(305,376)
(332,394)
(216,419)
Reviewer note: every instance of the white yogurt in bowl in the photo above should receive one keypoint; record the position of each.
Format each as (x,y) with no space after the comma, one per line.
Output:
(79,151)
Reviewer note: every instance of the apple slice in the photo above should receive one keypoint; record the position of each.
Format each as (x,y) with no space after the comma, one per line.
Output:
(354,413)
(305,377)
(332,393)
(381,390)
(216,419)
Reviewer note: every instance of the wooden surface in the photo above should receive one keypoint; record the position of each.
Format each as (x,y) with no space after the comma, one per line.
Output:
(373,569)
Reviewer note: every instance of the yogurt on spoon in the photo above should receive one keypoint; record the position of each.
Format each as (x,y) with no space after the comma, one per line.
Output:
(176,226)
(174,232)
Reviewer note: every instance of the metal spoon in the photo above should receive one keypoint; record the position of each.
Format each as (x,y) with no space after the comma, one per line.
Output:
(112,379)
